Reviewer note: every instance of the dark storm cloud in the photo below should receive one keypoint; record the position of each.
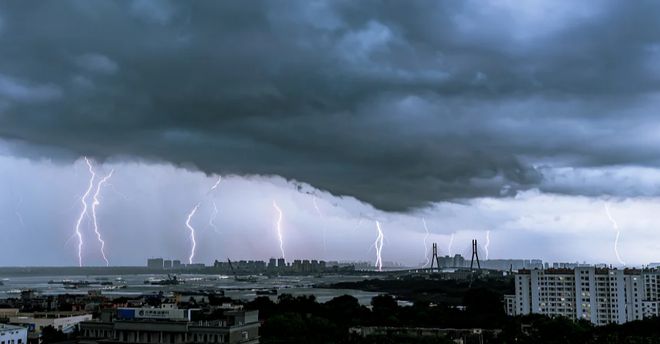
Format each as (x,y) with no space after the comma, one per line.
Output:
(396,103)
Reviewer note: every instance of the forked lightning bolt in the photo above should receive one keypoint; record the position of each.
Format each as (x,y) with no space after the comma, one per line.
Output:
(83,212)
(95,203)
(192,233)
(426,246)
(278,225)
(487,243)
(618,234)
(214,214)
(378,244)
(192,213)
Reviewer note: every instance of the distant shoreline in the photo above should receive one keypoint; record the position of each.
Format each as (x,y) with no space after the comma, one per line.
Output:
(126,270)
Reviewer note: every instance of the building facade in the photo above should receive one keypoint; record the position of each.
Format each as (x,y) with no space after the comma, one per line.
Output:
(168,325)
(62,321)
(599,295)
(11,334)
(155,263)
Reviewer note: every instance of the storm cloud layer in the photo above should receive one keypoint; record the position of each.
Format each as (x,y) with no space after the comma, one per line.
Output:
(396,103)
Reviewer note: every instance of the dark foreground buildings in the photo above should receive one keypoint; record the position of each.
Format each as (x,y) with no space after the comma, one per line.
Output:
(172,325)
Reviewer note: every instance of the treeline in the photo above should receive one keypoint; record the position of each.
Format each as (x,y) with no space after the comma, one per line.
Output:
(537,329)
(303,320)
(429,289)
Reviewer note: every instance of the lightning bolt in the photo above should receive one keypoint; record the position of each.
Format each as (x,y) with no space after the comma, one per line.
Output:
(426,246)
(83,201)
(487,243)
(192,233)
(217,183)
(378,244)
(278,225)
(618,234)
(95,203)
(192,213)
(318,211)
(451,243)
(214,214)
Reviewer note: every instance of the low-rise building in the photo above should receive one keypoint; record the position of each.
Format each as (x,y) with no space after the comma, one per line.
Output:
(510,304)
(6,313)
(62,321)
(159,325)
(11,334)
(474,335)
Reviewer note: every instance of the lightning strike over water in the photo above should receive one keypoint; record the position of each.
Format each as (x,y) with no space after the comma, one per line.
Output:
(487,243)
(615,225)
(192,214)
(278,225)
(95,203)
(192,233)
(83,212)
(426,246)
(451,244)
(378,244)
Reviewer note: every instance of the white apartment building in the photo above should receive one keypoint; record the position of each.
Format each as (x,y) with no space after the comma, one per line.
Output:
(601,296)
(10,334)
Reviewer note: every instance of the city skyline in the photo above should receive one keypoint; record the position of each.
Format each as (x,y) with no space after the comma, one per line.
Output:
(340,131)
(350,229)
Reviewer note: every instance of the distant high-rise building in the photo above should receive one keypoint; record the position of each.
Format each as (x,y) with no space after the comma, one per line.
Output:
(176,264)
(167,264)
(296,266)
(281,263)
(155,263)
(272,264)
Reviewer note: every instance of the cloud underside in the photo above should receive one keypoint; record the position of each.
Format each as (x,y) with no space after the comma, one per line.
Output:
(397,104)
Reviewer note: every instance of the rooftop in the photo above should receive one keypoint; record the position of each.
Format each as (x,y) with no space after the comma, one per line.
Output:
(5,327)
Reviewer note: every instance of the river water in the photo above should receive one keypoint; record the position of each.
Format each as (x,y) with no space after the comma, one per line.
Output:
(134,285)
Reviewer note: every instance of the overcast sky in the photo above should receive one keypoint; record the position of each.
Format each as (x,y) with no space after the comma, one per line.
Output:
(525,119)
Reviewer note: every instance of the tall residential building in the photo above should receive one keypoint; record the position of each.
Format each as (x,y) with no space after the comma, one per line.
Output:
(601,296)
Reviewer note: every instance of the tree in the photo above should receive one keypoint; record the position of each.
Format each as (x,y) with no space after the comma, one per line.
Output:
(50,335)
